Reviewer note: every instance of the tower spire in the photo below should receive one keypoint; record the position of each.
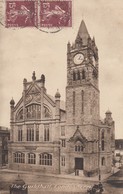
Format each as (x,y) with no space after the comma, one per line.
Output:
(83,33)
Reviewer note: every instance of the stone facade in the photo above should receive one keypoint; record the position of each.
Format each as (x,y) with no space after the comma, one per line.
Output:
(48,136)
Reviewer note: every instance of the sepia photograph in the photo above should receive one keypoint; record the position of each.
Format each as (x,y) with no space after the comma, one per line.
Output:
(61,96)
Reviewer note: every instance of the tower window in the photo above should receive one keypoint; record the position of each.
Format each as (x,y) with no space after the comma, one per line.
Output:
(82,101)
(103,161)
(78,75)
(46,133)
(83,74)
(20,133)
(30,133)
(62,130)
(102,145)
(63,143)
(74,76)
(31,158)
(74,102)
(63,161)
(45,159)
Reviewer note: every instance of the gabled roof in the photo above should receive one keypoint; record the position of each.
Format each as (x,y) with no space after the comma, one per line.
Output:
(78,137)
(33,88)
(83,33)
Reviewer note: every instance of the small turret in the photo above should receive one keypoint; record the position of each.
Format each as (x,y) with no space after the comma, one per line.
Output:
(108,117)
(24,83)
(42,80)
(68,47)
(33,76)
(12,102)
(57,95)
(57,100)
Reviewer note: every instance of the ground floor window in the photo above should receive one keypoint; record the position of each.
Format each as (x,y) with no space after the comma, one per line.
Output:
(31,158)
(19,157)
(45,159)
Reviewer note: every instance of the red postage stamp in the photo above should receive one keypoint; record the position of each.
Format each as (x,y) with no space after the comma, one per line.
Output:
(21,13)
(55,13)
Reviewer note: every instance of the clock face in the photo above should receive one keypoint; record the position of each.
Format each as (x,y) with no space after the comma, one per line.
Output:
(78,58)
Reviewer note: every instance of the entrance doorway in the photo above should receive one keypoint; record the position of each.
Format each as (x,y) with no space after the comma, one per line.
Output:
(79,163)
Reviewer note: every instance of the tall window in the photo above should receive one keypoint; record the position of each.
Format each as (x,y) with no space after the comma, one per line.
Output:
(63,161)
(31,158)
(20,115)
(45,159)
(33,111)
(46,133)
(47,113)
(78,75)
(63,143)
(20,133)
(82,95)
(103,161)
(102,141)
(74,102)
(19,157)
(74,76)
(62,130)
(83,74)
(30,132)
(37,132)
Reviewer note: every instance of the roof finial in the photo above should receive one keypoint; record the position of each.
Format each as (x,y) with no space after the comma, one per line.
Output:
(33,76)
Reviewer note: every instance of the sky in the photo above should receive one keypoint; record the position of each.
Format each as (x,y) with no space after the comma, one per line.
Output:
(23,51)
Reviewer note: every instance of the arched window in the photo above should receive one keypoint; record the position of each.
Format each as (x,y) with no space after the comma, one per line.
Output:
(19,157)
(31,158)
(30,132)
(33,111)
(103,161)
(46,132)
(20,115)
(45,159)
(83,74)
(79,148)
(20,133)
(78,75)
(47,113)
(102,134)
(74,76)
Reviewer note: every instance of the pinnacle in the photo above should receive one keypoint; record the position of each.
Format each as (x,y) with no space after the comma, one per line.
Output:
(83,33)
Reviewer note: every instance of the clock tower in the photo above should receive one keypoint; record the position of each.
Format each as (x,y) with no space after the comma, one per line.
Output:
(82,92)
